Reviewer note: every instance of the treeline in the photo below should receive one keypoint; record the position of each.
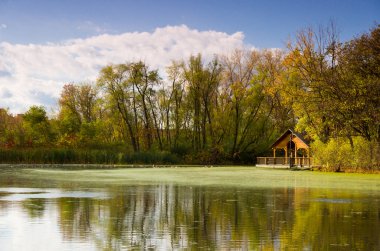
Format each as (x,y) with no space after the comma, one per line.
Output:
(224,111)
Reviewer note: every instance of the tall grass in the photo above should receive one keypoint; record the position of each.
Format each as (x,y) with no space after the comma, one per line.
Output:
(83,156)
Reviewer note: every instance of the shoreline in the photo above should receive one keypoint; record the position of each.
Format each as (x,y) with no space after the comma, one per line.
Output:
(226,176)
(170,166)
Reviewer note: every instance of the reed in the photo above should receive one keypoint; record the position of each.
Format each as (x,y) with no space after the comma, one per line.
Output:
(83,156)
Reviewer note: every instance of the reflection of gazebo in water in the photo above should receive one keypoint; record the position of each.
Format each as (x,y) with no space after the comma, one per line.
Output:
(290,149)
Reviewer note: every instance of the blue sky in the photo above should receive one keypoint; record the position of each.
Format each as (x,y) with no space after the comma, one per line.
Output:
(47,43)
(264,23)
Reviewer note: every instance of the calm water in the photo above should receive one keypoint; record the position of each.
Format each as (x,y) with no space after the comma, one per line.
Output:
(171,217)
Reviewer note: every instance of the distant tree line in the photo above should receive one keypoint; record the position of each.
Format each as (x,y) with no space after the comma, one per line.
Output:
(229,109)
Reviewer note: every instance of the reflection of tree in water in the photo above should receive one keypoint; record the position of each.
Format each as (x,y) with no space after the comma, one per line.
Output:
(173,217)
(75,217)
(333,220)
(34,207)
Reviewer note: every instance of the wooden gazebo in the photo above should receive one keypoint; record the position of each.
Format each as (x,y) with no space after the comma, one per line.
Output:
(289,150)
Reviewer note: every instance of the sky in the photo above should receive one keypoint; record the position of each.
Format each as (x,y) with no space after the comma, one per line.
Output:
(47,43)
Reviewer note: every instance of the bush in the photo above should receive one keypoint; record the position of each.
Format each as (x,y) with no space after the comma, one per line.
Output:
(338,154)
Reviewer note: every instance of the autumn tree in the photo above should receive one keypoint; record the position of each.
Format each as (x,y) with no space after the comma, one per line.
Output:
(12,132)
(78,113)
(336,85)
(272,73)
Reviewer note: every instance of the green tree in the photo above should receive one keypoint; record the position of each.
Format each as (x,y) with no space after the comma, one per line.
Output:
(37,126)
(172,103)
(359,63)
(144,81)
(202,88)
(337,89)
(244,94)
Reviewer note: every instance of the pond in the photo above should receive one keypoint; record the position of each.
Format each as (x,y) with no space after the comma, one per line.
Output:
(57,211)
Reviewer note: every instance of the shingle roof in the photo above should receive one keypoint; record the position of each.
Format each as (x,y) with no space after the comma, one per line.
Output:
(286,133)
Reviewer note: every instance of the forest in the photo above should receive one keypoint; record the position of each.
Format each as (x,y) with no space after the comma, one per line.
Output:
(227,110)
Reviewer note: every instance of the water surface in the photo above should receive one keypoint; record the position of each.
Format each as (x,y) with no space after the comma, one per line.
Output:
(49,215)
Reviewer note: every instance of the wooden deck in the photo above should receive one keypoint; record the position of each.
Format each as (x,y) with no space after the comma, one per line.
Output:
(283,162)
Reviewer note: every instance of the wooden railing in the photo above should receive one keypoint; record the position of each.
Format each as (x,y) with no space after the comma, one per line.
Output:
(272,161)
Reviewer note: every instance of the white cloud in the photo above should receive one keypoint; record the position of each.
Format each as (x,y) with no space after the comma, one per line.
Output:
(34,74)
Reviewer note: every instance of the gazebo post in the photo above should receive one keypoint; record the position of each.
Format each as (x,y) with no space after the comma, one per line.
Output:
(286,154)
(303,150)
(290,146)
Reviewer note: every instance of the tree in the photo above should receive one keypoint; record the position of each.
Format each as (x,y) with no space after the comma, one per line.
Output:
(37,126)
(337,85)
(359,62)
(244,97)
(122,96)
(129,88)
(144,80)
(271,72)
(12,132)
(202,84)
(78,113)
(172,103)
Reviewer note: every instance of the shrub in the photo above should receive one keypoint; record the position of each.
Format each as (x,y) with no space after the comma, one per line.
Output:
(338,154)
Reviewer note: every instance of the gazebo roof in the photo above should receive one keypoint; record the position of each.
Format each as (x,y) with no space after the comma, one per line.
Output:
(286,134)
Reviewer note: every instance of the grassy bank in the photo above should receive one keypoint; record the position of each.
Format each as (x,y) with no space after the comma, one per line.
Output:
(115,157)
(198,176)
